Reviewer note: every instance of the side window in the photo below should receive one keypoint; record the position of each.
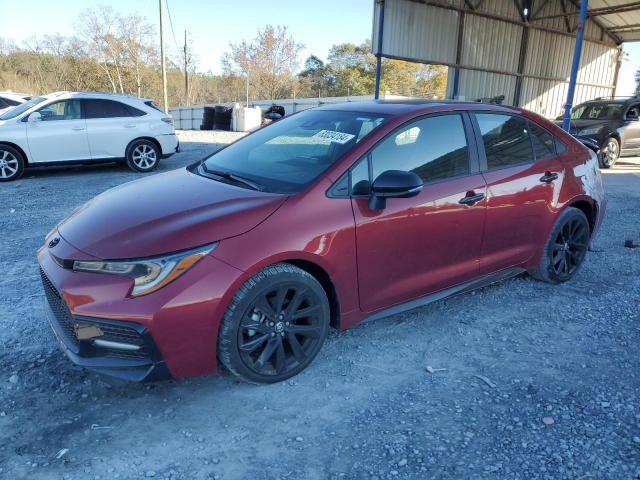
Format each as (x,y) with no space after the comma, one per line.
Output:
(543,143)
(435,148)
(506,140)
(105,109)
(3,103)
(63,110)
(360,183)
(633,113)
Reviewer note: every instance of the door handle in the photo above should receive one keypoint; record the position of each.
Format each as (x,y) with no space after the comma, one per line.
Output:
(130,125)
(77,129)
(471,199)
(548,177)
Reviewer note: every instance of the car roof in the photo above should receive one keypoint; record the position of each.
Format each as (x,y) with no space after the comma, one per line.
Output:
(409,106)
(99,95)
(621,101)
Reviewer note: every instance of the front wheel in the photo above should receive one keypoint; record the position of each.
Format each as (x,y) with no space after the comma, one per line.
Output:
(11,164)
(275,325)
(565,249)
(143,156)
(609,153)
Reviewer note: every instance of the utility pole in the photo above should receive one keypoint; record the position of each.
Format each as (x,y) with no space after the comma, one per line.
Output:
(186,71)
(165,106)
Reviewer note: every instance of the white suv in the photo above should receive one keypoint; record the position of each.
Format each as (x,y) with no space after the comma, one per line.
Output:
(79,127)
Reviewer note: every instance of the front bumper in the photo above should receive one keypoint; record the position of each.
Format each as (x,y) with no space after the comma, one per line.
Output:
(177,325)
(120,349)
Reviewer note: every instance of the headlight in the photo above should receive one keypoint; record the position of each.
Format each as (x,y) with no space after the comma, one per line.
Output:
(589,131)
(148,274)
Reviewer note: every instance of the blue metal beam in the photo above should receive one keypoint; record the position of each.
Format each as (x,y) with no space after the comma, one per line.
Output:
(379,53)
(577,52)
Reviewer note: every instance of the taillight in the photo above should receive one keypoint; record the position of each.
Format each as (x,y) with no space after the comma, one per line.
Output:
(168,120)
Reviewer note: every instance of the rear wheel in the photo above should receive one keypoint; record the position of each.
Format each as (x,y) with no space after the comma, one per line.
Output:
(143,156)
(11,163)
(565,249)
(609,153)
(275,325)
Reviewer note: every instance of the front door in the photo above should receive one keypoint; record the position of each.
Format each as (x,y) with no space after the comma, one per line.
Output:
(60,135)
(524,176)
(419,245)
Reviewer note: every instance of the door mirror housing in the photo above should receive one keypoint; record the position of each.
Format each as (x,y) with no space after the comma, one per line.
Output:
(34,117)
(393,184)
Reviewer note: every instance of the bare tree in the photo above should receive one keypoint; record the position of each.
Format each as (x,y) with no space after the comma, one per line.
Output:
(270,61)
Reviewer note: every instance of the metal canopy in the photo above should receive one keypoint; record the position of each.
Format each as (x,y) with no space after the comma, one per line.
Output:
(620,18)
(521,50)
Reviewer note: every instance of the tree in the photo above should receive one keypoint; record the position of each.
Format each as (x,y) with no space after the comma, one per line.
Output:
(269,61)
(637,83)
(314,77)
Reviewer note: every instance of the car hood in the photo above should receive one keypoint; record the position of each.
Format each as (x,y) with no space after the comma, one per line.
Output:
(165,213)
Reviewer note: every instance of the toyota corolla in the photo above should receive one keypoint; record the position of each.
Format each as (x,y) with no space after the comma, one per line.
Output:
(326,218)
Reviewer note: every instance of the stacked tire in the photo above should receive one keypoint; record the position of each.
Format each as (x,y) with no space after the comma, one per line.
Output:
(222,118)
(208,118)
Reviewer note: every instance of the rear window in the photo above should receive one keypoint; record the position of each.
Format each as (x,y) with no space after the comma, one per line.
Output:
(506,140)
(153,105)
(97,108)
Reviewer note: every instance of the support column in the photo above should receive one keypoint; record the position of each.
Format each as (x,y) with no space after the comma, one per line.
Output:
(379,52)
(456,72)
(524,47)
(566,120)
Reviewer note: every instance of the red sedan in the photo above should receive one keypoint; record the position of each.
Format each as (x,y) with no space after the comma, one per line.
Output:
(325,218)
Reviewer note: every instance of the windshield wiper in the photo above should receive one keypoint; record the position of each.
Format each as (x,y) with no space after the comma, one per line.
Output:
(234,177)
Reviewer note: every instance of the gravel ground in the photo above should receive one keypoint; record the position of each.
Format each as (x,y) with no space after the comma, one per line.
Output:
(520,380)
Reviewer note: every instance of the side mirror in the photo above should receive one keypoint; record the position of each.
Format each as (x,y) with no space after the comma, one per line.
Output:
(34,117)
(393,184)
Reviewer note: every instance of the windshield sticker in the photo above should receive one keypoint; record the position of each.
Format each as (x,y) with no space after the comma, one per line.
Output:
(333,136)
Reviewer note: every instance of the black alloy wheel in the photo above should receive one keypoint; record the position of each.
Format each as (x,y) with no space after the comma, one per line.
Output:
(569,248)
(565,248)
(275,325)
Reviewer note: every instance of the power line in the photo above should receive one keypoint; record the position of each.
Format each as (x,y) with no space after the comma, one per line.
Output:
(171,25)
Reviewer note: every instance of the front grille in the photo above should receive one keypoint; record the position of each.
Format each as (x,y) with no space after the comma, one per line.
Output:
(60,311)
(110,331)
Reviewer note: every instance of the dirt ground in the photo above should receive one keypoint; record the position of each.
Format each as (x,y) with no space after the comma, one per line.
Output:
(520,380)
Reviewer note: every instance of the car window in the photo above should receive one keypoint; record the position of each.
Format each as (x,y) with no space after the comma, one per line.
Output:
(62,110)
(634,112)
(597,111)
(96,108)
(20,109)
(3,103)
(543,142)
(506,140)
(288,155)
(360,182)
(434,148)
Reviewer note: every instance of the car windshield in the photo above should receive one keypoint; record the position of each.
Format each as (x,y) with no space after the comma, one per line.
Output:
(23,107)
(288,155)
(597,111)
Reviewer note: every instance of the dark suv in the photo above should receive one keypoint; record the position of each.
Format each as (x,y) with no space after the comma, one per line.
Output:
(613,124)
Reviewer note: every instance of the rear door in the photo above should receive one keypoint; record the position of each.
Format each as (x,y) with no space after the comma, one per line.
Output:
(423,244)
(524,176)
(111,125)
(60,135)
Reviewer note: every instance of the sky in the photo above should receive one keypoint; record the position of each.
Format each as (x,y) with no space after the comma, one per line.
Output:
(212,24)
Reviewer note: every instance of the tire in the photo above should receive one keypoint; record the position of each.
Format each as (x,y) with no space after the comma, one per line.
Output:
(143,156)
(265,336)
(609,153)
(565,249)
(11,164)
